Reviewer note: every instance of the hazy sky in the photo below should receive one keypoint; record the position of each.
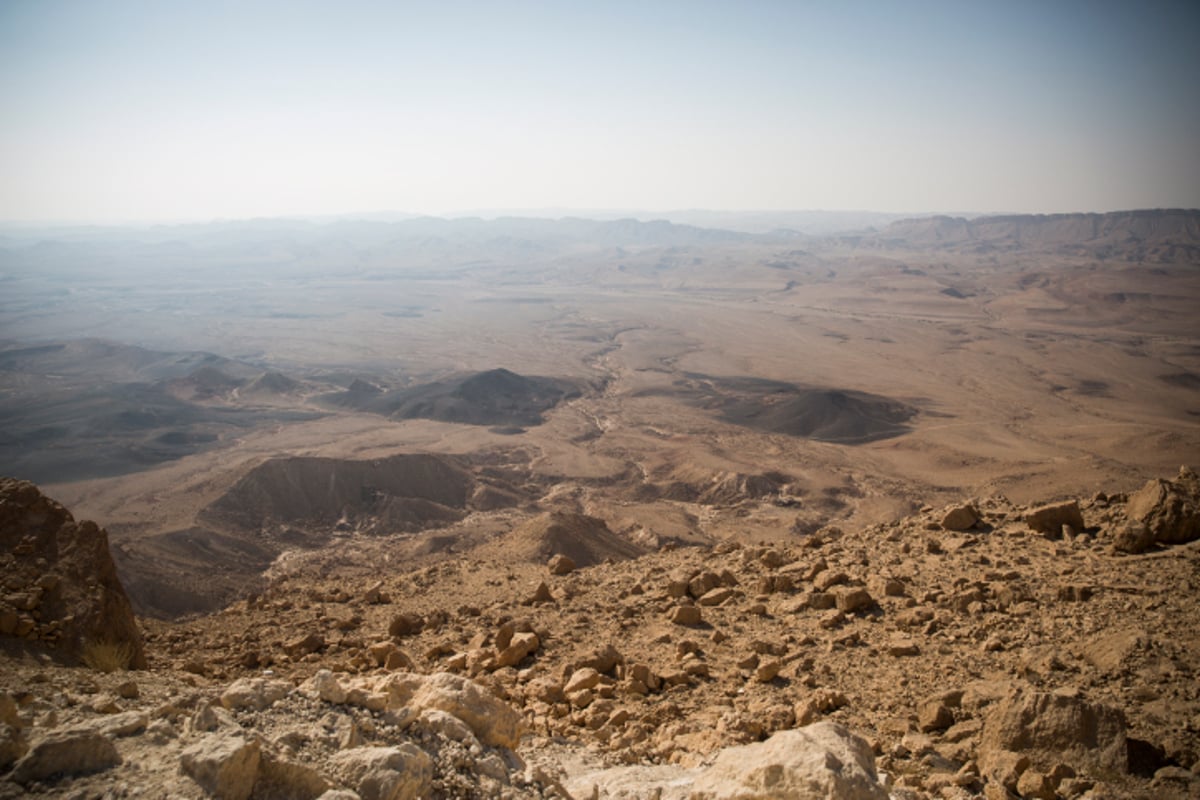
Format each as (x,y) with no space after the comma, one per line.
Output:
(172,109)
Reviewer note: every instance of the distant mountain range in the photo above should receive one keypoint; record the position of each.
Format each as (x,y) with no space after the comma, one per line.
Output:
(1147,235)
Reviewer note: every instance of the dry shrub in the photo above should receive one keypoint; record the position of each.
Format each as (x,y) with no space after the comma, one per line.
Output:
(107,656)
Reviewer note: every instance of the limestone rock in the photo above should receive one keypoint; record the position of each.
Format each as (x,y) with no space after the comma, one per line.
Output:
(492,720)
(82,597)
(1056,727)
(254,693)
(1170,510)
(403,772)
(1049,519)
(822,760)
(225,765)
(67,752)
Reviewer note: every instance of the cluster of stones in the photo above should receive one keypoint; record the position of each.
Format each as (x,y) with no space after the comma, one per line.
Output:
(394,737)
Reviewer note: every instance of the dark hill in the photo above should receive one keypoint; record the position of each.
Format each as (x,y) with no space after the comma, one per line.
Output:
(495,397)
(825,414)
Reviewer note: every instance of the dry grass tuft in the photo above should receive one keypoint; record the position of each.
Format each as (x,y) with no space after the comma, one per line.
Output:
(108,656)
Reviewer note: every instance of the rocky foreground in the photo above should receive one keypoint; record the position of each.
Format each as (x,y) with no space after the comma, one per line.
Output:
(983,649)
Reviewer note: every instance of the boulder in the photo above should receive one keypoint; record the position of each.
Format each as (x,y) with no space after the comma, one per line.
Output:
(224,764)
(960,518)
(685,615)
(1054,727)
(65,752)
(821,760)
(1170,510)
(403,772)
(852,600)
(520,646)
(492,720)
(561,564)
(63,573)
(1132,538)
(1049,519)
(585,678)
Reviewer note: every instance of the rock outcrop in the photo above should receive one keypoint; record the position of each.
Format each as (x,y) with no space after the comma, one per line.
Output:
(60,587)
(1170,510)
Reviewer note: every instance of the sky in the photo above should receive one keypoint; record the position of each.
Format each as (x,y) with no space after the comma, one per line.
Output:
(174,110)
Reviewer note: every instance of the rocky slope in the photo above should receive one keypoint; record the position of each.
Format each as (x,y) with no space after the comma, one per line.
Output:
(983,649)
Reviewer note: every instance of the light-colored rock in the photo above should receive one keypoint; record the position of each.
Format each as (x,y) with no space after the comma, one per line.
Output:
(403,772)
(823,760)
(254,693)
(325,686)
(492,720)
(446,725)
(224,764)
(585,678)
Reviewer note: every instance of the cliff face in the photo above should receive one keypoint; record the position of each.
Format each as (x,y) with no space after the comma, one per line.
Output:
(60,591)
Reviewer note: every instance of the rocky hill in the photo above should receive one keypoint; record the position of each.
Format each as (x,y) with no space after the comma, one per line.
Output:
(982,649)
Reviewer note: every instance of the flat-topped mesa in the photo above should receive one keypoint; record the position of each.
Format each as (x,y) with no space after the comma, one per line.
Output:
(60,591)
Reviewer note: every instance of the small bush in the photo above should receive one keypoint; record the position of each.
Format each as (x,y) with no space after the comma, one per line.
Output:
(108,656)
